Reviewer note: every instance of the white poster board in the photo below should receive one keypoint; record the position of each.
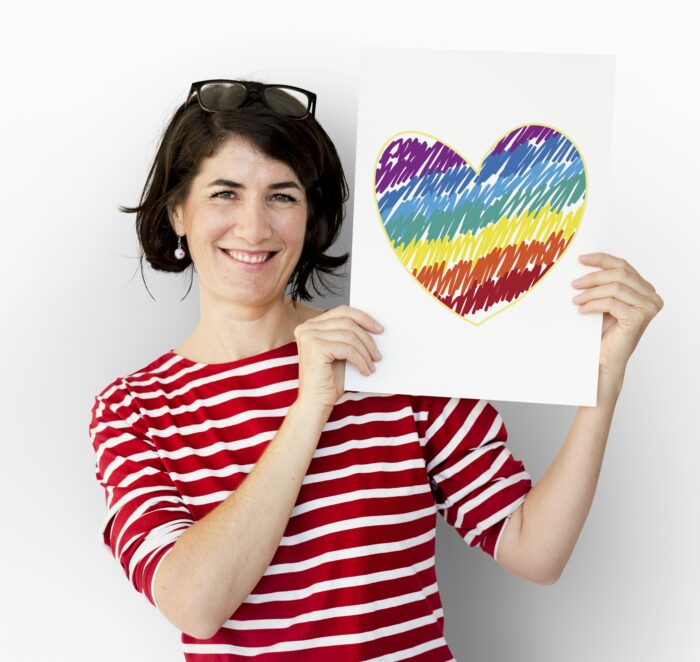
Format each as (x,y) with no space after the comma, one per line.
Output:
(480,178)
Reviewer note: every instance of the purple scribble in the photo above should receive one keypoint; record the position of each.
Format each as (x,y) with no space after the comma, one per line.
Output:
(523,134)
(403,159)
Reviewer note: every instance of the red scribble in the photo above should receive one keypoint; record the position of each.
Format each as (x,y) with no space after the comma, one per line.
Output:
(467,288)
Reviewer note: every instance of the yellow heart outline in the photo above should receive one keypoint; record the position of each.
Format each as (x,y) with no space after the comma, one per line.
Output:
(477,171)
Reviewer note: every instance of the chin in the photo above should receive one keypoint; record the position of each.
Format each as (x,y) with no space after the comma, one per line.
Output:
(249,298)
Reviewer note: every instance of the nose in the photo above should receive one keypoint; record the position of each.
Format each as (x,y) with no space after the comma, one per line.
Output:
(252,225)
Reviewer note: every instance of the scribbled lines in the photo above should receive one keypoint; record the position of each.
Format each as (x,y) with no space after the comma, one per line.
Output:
(479,240)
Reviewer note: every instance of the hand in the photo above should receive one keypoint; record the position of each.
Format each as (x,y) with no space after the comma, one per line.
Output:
(628,303)
(325,342)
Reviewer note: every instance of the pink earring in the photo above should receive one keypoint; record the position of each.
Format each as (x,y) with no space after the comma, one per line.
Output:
(179,251)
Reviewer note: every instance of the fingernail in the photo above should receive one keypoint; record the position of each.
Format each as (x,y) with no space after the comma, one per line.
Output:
(378,326)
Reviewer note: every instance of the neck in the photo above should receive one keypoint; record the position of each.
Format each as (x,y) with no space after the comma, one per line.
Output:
(228,332)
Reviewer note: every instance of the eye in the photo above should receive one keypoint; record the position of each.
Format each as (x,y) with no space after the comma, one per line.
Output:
(284,197)
(280,197)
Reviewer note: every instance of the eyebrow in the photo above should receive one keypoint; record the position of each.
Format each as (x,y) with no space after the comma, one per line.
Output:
(230,183)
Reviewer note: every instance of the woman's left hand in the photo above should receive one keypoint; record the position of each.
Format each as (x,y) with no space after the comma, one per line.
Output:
(628,303)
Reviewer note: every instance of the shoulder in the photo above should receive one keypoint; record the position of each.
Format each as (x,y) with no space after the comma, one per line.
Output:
(118,389)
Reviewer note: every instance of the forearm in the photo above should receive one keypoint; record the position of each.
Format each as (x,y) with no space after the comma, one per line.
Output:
(216,563)
(556,508)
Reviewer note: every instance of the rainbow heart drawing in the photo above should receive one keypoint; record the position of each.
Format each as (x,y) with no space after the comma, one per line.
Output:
(479,239)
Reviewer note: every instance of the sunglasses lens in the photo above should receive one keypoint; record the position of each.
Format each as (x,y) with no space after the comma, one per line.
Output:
(221,96)
(287,101)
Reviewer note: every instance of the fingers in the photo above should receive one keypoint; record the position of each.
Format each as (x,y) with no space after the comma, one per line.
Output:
(359,316)
(342,334)
(343,324)
(622,312)
(343,344)
(362,363)
(345,317)
(624,274)
(617,274)
(615,289)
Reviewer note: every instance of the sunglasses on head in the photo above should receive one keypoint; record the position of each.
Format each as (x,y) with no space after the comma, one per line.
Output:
(221,94)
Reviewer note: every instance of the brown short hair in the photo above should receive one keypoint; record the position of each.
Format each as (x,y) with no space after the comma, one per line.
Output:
(194,134)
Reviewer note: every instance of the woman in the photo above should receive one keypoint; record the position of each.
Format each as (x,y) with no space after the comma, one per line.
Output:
(263,509)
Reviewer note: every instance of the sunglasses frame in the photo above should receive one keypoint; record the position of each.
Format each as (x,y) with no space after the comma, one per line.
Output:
(255,91)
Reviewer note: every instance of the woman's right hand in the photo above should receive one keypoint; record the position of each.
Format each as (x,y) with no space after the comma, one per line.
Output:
(325,342)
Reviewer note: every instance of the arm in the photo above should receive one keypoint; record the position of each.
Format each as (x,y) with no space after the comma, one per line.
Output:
(538,540)
(540,536)
(218,560)
(475,479)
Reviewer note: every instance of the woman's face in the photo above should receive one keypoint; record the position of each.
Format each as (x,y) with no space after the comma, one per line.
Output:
(245,202)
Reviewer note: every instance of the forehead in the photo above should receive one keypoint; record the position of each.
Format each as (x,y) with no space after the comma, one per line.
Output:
(242,157)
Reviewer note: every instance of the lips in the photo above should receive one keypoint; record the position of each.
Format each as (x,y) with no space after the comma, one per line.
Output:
(231,252)
(270,256)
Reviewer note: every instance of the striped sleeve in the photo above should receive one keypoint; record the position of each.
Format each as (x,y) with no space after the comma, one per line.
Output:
(476,481)
(145,511)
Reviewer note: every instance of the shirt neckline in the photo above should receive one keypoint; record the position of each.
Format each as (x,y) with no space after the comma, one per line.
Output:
(280,350)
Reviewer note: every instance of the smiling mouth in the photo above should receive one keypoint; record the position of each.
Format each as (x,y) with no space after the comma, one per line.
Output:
(244,258)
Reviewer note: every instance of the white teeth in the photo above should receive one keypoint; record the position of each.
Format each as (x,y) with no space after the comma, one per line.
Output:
(247,258)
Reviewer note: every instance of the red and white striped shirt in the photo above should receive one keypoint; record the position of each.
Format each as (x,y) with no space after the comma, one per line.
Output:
(353,577)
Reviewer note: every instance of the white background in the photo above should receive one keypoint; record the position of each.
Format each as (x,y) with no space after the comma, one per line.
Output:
(86,91)
(539,350)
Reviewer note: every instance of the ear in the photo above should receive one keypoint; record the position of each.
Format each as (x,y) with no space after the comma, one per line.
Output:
(176,220)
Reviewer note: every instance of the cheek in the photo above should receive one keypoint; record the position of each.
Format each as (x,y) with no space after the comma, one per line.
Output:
(301,224)
(292,229)
(209,226)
